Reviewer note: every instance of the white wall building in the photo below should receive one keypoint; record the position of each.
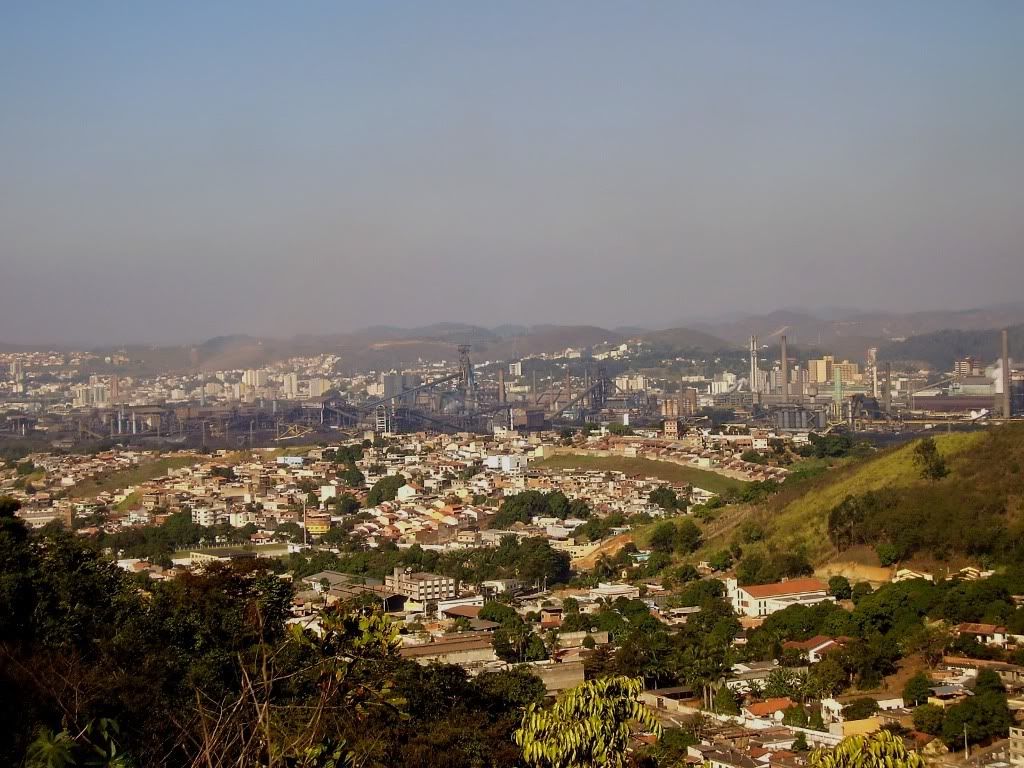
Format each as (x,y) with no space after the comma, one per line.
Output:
(765,599)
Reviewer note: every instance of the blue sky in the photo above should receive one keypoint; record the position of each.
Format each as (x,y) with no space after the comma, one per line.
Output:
(175,171)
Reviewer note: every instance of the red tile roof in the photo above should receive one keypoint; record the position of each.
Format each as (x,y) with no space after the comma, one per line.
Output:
(981,629)
(769,706)
(785,588)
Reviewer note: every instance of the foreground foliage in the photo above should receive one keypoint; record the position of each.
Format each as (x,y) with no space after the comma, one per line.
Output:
(589,726)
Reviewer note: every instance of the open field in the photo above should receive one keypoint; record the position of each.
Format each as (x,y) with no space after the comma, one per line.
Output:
(114,481)
(663,470)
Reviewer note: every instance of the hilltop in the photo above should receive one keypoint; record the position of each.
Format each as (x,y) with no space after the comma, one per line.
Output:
(939,350)
(881,510)
(853,331)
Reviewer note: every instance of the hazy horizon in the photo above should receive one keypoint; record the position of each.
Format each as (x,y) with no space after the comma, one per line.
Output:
(176,173)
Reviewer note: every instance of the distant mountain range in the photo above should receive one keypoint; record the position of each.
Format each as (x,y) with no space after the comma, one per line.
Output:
(936,338)
(850,333)
(939,350)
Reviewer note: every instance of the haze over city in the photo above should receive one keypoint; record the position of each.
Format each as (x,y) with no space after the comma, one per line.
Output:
(577,384)
(176,172)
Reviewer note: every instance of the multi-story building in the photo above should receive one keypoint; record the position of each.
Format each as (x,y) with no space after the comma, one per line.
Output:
(849,372)
(395,383)
(765,599)
(631,383)
(1016,750)
(318,387)
(820,371)
(255,378)
(967,367)
(317,523)
(421,587)
(290,385)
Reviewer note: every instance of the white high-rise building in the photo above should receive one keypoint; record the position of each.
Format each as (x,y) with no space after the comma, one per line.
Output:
(290,385)
(255,378)
(318,386)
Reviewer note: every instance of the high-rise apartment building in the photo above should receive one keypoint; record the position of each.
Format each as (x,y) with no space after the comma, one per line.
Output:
(255,378)
(318,387)
(820,371)
(850,371)
(290,385)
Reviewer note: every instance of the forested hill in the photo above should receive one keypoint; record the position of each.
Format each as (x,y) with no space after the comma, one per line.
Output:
(953,497)
(942,348)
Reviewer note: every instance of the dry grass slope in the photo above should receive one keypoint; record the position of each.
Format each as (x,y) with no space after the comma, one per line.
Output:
(797,518)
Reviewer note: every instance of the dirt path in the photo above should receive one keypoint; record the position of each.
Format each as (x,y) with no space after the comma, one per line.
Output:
(610,547)
(875,575)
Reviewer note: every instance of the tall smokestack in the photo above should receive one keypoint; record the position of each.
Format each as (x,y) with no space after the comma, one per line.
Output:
(682,394)
(501,385)
(887,389)
(785,371)
(1006,374)
(755,386)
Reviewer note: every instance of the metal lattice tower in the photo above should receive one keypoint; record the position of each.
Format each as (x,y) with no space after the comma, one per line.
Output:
(467,378)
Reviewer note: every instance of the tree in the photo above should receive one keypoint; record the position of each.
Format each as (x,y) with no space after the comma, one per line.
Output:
(859,591)
(725,701)
(800,742)
(702,665)
(352,477)
(687,536)
(663,537)
(671,748)
(384,489)
(347,504)
(931,642)
(929,461)
(499,612)
(882,749)
(720,560)
(928,719)
(981,717)
(888,553)
(827,677)
(839,587)
(988,681)
(795,716)
(916,690)
(9,506)
(515,688)
(588,727)
(664,497)
(860,709)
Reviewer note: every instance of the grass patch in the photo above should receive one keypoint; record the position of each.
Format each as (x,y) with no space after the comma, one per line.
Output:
(131,501)
(663,470)
(114,481)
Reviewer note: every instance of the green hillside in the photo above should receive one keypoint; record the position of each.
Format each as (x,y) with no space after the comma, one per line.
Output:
(884,503)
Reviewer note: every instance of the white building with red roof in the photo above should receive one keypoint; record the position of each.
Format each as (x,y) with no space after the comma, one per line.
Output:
(758,600)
